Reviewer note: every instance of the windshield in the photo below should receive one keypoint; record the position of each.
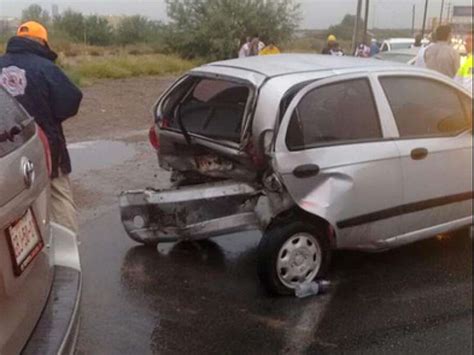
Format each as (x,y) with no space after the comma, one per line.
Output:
(403,45)
(396,57)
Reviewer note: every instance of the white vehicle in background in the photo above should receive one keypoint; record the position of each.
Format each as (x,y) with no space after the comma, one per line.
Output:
(393,44)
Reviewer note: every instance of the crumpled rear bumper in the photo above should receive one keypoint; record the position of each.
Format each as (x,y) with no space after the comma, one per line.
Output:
(189,213)
(57,330)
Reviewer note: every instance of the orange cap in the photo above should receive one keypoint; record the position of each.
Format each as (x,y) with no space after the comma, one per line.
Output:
(33,29)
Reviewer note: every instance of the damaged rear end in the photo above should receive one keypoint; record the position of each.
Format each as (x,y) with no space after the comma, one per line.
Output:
(201,134)
(192,212)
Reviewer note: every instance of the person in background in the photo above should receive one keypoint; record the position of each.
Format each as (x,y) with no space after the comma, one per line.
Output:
(362,51)
(331,43)
(271,49)
(374,47)
(418,41)
(245,49)
(441,56)
(420,58)
(464,75)
(256,45)
(28,72)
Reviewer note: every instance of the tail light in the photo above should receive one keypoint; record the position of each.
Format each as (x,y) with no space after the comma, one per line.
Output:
(153,137)
(47,150)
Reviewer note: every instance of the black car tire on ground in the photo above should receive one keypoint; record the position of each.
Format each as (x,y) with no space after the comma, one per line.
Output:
(274,238)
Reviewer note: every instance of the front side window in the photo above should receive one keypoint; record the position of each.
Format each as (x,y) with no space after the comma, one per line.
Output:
(337,113)
(424,107)
(208,107)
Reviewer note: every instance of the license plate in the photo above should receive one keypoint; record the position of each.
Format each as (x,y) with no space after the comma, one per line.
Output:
(25,242)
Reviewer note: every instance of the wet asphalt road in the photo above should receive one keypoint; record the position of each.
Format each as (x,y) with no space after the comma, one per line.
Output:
(205,298)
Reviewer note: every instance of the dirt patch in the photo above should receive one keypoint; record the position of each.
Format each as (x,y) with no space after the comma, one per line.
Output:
(114,108)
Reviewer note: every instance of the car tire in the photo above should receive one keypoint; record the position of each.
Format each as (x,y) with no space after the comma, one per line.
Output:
(295,245)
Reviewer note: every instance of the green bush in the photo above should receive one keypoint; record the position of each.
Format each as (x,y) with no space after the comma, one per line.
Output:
(214,29)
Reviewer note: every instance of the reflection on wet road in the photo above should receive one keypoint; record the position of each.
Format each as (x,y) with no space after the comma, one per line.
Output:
(97,155)
(205,297)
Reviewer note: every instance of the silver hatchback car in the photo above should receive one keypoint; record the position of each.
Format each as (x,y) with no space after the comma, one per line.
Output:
(40,273)
(318,152)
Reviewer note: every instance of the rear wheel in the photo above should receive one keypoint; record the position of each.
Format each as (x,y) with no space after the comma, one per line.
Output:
(290,254)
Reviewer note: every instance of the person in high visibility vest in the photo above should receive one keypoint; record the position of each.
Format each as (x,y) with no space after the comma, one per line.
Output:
(271,49)
(464,75)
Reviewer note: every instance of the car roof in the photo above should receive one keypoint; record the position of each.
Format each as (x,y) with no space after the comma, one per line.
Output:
(287,64)
(400,40)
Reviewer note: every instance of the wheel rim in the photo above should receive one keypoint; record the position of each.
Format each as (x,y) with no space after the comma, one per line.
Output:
(299,260)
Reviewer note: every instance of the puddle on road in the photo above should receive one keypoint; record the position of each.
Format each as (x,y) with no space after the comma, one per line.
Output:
(96,155)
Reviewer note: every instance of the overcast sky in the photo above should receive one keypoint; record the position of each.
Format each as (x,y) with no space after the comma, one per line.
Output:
(317,13)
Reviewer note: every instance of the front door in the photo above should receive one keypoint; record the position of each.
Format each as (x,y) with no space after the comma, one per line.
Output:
(335,162)
(433,120)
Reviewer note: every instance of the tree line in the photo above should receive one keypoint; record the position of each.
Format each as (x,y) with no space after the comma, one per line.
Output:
(95,29)
(212,29)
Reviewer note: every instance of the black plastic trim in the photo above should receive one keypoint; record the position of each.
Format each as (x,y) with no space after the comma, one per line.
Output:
(56,330)
(404,209)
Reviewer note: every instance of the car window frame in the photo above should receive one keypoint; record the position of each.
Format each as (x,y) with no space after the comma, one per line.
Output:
(280,145)
(246,117)
(430,77)
(365,78)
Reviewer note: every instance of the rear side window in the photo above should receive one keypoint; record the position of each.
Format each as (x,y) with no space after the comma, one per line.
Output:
(208,107)
(337,113)
(15,126)
(424,107)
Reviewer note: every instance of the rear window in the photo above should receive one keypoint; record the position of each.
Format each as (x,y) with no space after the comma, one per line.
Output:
(207,107)
(15,126)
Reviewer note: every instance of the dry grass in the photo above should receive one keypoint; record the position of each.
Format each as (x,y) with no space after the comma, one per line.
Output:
(85,69)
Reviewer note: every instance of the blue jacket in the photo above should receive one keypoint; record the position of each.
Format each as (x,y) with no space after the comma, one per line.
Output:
(29,73)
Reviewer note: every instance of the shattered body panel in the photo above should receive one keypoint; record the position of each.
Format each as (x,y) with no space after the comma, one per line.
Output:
(195,212)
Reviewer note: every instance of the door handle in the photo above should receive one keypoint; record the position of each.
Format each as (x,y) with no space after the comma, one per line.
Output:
(419,153)
(306,171)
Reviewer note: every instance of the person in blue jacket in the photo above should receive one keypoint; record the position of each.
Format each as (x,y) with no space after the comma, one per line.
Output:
(29,73)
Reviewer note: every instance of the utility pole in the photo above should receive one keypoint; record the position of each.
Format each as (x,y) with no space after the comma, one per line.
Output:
(441,13)
(413,17)
(423,29)
(355,35)
(448,18)
(366,18)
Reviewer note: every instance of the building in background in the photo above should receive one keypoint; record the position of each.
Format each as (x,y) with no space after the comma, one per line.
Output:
(461,19)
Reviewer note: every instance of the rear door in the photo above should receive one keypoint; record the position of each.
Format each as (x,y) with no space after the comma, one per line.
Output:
(336,158)
(25,272)
(434,120)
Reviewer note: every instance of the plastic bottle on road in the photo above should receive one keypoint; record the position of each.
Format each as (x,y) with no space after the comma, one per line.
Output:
(312,289)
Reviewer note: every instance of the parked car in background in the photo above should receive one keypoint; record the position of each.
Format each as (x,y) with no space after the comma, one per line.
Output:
(40,273)
(319,153)
(393,44)
(407,56)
